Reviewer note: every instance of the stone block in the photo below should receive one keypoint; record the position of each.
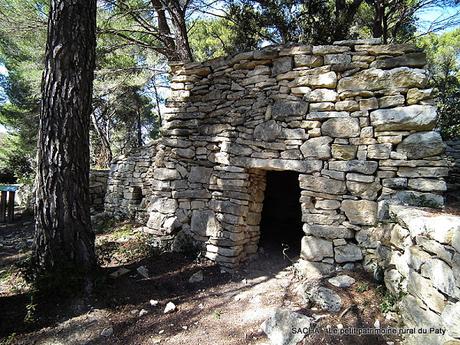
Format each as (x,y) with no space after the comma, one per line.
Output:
(348,253)
(451,319)
(368,104)
(164,174)
(329,49)
(341,128)
(428,185)
(204,223)
(301,60)
(282,65)
(327,204)
(422,172)
(322,106)
(321,80)
(377,79)
(379,151)
(400,237)
(282,110)
(199,174)
(359,166)
(393,281)
(327,231)
(441,276)
(322,184)
(321,95)
(344,152)
(412,117)
(312,269)
(391,101)
(330,59)
(323,115)
(417,59)
(360,178)
(424,290)
(415,96)
(414,316)
(362,212)
(367,191)
(431,246)
(268,131)
(422,145)
(315,249)
(348,105)
(317,148)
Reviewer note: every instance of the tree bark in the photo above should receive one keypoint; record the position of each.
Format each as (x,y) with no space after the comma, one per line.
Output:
(63,236)
(379,12)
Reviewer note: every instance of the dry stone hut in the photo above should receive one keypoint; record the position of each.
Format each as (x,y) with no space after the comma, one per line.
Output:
(315,142)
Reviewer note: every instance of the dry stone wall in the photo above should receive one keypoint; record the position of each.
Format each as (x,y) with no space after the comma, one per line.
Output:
(98,180)
(354,119)
(453,180)
(420,252)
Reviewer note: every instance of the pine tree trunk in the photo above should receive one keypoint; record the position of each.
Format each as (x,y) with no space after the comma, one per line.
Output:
(63,236)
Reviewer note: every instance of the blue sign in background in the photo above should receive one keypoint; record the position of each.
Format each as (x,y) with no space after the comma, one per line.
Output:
(8,188)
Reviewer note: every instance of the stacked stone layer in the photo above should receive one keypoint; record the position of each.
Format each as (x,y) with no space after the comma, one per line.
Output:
(354,119)
(98,180)
(420,252)
(453,180)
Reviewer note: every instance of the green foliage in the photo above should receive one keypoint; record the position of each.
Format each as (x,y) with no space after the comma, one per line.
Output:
(9,340)
(15,158)
(211,38)
(362,287)
(279,21)
(31,308)
(443,53)
(22,33)
(323,22)
(389,301)
(217,314)
(123,107)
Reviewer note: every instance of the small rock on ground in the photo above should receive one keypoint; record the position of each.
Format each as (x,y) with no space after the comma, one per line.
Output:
(342,281)
(324,298)
(107,332)
(143,271)
(196,277)
(170,307)
(278,327)
(154,302)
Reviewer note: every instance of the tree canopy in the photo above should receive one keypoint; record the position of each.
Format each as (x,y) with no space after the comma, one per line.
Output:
(443,52)
(136,38)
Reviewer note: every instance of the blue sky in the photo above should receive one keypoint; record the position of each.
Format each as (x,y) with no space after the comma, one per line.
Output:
(428,16)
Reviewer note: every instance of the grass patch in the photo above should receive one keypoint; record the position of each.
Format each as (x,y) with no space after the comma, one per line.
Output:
(362,287)
(389,301)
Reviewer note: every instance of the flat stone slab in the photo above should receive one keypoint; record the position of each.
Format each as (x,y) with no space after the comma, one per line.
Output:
(324,298)
(342,281)
(279,326)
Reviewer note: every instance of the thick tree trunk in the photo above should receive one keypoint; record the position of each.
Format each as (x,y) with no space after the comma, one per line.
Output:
(63,237)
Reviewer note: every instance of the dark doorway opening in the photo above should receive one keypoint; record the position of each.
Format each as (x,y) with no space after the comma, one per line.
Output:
(281,223)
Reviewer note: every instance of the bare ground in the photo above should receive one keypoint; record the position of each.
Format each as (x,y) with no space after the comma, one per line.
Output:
(223,309)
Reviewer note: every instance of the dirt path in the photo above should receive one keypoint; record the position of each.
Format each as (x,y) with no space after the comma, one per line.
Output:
(223,308)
